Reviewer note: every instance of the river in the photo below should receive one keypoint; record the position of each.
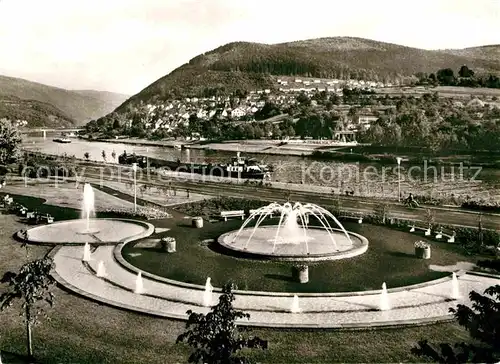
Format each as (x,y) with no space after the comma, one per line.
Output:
(357,177)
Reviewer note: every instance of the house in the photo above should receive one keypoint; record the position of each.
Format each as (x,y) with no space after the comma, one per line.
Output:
(224,114)
(201,114)
(365,121)
(238,112)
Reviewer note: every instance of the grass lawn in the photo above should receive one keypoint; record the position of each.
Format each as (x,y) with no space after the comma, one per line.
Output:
(390,258)
(83,331)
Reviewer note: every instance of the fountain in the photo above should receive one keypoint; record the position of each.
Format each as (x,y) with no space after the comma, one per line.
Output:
(384,299)
(293,237)
(86,252)
(88,209)
(139,285)
(101,271)
(295,305)
(455,292)
(207,295)
(88,229)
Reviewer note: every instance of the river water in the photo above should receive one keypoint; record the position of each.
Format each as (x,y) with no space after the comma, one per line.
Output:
(376,178)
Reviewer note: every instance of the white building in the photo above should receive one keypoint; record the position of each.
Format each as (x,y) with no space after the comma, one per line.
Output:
(238,113)
(366,121)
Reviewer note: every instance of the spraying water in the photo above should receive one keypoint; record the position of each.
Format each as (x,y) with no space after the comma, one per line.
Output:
(384,299)
(293,223)
(88,209)
(207,295)
(455,292)
(295,305)
(101,271)
(139,285)
(86,252)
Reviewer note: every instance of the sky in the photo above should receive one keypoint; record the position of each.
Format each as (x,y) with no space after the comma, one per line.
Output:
(125,45)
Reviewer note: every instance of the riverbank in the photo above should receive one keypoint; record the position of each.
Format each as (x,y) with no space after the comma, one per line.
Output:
(323,151)
(271,147)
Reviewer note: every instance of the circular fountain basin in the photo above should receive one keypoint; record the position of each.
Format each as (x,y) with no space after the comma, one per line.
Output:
(104,231)
(259,243)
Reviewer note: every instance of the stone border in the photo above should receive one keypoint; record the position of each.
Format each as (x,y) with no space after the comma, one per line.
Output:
(150,228)
(118,256)
(358,249)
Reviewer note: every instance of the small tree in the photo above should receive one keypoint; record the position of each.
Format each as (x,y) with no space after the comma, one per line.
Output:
(10,141)
(113,155)
(430,218)
(336,206)
(215,337)
(87,156)
(382,211)
(31,287)
(104,155)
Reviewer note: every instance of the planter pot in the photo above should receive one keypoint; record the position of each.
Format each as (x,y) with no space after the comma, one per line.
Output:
(423,253)
(168,244)
(301,274)
(197,222)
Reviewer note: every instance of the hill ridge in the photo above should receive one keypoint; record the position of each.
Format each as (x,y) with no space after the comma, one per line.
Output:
(253,66)
(78,106)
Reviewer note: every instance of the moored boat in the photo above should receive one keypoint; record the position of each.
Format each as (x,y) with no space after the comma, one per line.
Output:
(238,167)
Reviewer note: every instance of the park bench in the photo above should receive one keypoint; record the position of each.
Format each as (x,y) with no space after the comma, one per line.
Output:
(237,213)
(30,215)
(251,212)
(450,238)
(7,200)
(46,218)
(22,210)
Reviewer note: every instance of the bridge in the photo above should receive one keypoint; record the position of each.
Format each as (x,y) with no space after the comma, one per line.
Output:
(45,130)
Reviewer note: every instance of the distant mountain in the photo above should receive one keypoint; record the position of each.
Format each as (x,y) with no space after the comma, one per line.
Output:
(36,113)
(244,65)
(80,106)
(487,53)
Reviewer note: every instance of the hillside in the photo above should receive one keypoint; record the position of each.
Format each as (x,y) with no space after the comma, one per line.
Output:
(81,106)
(243,65)
(488,52)
(35,112)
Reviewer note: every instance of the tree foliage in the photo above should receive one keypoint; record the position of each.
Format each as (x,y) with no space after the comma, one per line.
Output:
(215,337)
(482,321)
(10,141)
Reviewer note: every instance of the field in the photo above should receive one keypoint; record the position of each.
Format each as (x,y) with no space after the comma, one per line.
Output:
(83,331)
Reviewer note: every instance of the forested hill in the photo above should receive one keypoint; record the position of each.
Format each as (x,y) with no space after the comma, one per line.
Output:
(244,65)
(35,113)
(80,106)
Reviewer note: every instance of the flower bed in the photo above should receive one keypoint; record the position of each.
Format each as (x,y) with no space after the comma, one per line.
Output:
(146,213)
(213,207)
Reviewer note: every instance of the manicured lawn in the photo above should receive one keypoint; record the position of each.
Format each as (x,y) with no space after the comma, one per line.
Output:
(83,331)
(390,258)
